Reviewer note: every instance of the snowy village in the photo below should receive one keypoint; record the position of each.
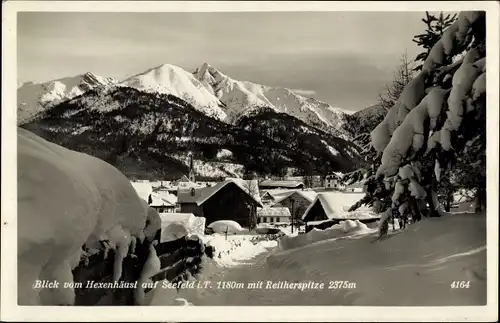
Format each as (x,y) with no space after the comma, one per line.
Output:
(183,186)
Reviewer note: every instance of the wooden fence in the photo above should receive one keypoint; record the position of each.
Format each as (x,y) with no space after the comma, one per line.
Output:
(177,259)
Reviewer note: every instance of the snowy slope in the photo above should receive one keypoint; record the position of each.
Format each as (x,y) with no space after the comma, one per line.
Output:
(34,98)
(151,133)
(413,268)
(242,98)
(170,79)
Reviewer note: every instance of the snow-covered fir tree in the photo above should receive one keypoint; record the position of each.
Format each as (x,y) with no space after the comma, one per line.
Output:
(436,120)
(436,25)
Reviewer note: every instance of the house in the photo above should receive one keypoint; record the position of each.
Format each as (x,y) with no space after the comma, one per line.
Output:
(144,189)
(357,187)
(273,215)
(270,184)
(333,182)
(233,199)
(163,201)
(332,207)
(183,183)
(266,197)
(297,201)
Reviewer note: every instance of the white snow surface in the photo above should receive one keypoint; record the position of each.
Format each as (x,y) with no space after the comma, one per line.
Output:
(226,99)
(222,226)
(343,229)
(143,189)
(414,267)
(236,249)
(170,79)
(207,90)
(75,200)
(337,204)
(34,98)
(243,97)
(177,225)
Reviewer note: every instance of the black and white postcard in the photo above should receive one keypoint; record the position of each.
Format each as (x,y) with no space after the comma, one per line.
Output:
(250,161)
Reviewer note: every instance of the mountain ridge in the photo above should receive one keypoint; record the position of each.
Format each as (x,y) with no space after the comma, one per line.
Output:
(141,133)
(207,89)
(34,98)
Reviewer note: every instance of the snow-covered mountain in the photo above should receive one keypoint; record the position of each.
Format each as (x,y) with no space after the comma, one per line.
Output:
(242,98)
(34,98)
(170,79)
(218,95)
(207,90)
(144,133)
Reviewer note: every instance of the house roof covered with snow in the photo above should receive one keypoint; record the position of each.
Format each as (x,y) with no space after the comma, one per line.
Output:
(280,196)
(274,211)
(203,194)
(143,189)
(283,184)
(163,198)
(336,206)
(176,217)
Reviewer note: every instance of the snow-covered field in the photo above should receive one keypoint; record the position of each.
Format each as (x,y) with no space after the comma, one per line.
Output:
(413,267)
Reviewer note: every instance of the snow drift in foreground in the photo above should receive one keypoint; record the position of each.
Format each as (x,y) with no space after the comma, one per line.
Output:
(67,200)
(343,229)
(413,268)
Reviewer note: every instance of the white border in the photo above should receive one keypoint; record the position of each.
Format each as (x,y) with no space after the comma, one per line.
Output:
(9,308)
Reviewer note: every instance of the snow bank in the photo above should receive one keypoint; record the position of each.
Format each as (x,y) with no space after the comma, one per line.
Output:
(177,225)
(343,229)
(399,271)
(68,200)
(236,249)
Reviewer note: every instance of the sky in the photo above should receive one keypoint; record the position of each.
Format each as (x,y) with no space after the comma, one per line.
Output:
(342,58)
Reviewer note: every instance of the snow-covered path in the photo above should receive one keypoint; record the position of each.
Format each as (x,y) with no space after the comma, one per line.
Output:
(415,267)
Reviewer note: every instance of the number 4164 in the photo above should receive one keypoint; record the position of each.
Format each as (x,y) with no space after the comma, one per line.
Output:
(460,284)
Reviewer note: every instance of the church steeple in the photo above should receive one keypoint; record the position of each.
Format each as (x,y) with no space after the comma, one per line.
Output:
(191,168)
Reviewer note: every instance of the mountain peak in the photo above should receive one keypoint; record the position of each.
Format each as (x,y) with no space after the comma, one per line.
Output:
(208,73)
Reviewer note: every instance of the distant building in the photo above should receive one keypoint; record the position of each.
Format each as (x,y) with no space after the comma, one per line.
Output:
(191,169)
(270,184)
(297,201)
(333,182)
(232,199)
(267,198)
(332,207)
(183,183)
(273,215)
(163,201)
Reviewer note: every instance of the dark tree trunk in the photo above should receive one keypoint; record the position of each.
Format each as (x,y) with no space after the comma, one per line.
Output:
(449,199)
(433,212)
(417,215)
(480,200)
